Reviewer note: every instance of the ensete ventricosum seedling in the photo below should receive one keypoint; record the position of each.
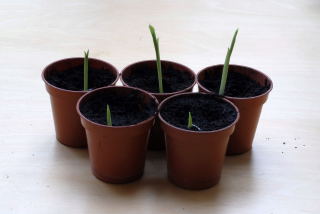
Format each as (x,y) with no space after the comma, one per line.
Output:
(224,75)
(156,47)
(190,121)
(109,120)
(85,70)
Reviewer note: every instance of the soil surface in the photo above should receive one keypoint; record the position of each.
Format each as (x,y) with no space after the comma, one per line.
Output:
(72,79)
(208,112)
(125,109)
(238,85)
(172,79)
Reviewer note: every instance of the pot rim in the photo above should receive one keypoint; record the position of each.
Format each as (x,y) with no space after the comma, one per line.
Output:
(116,127)
(191,131)
(167,61)
(45,70)
(236,98)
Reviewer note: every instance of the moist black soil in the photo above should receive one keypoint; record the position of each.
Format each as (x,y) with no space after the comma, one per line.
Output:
(125,109)
(72,79)
(238,85)
(208,112)
(172,79)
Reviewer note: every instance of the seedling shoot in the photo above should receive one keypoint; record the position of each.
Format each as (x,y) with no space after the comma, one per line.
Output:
(109,120)
(224,75)
(85,70)
(190,121)
(156,47)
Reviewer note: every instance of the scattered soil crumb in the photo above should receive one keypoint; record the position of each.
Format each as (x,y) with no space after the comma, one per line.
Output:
(284,143)
(295,147)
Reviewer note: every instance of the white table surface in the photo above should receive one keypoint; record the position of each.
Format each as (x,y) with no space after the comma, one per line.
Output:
(280,38)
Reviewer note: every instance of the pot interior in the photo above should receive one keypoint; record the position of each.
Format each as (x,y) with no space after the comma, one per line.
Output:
(128,106)
(241,82)
(68,74)
(208,112)
(144,75)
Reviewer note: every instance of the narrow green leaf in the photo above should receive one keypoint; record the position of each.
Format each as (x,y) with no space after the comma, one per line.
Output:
(156,47)
(85,70)
(109,120)
(224,75)
(189,121)
(233,40)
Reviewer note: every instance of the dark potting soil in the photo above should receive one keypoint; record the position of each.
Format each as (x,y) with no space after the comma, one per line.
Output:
(208,112)
(172,79)
(72,79)
(238,85)
(125,110)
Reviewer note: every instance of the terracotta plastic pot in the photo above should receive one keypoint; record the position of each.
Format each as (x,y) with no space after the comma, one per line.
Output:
(249,107)
(195,159)
(117,153)
(156,141)
(63,102)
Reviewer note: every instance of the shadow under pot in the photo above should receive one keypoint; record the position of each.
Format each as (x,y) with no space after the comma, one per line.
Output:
(196,148)
(64,83)
(177,79)
(248,89)
(117,149)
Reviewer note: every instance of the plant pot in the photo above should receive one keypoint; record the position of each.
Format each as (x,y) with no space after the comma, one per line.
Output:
(63,101)
(134,75)
(249,107)
(117,153)
(195,158)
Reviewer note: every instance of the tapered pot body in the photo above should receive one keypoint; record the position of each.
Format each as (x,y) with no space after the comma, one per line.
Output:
(157,141)
(117,153)
(195,159)
(249,107)
(63,102)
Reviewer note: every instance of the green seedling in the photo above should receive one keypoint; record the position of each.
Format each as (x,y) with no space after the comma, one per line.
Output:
(224,75)
(85,70)
(156,47)
(109,121)
(190,121)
